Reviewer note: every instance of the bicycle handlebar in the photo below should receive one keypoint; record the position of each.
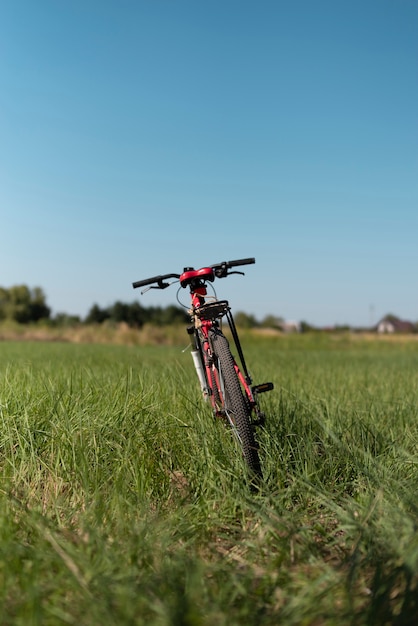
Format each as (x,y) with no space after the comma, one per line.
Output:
(236,263)
(220,270)
(155,279)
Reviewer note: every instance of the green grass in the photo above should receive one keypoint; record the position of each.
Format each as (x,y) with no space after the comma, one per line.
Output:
(122,501)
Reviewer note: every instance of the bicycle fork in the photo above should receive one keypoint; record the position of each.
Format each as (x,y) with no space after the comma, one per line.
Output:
(197,361)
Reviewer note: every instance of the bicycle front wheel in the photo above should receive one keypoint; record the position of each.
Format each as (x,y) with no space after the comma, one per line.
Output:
(236,407)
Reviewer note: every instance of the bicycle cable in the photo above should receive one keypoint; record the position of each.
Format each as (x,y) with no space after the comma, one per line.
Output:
(187,306)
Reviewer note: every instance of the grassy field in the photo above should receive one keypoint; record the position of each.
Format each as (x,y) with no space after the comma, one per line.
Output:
(122,500)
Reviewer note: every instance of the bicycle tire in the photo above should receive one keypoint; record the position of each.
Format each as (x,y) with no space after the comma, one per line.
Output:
(217,400)
(235,402)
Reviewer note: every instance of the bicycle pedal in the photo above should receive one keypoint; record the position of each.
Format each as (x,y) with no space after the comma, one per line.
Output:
(263,387)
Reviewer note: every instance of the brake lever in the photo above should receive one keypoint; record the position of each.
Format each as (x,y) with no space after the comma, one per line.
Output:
(160,285)
(235,272)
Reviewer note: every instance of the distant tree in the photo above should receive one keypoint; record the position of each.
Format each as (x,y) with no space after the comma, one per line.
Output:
(132,314)
(244,320)
(65,320)
(272,321)
(4,299)
(342,327)
(172,315)
(96,315)
(305,327)
(136,315)
(23,305)
(390,317)
(119,312)
(38,307)
(153,315)
(19,303)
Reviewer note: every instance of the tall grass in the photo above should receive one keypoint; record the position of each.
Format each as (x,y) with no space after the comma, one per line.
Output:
(123,502)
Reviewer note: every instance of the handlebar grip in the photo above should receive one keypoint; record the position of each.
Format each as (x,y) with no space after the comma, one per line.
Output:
(147,281)
(241,262)
(155,279)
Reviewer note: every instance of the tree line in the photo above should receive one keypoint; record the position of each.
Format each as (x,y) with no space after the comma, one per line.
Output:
(26,305)
(23,304)
(136,315)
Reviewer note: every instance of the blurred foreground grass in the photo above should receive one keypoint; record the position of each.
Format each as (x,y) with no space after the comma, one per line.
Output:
(122,500)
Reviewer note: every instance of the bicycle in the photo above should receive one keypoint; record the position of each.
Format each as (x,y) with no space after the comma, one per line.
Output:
(227,385)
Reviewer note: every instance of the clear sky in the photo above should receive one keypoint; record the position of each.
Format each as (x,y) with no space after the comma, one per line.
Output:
(141,136)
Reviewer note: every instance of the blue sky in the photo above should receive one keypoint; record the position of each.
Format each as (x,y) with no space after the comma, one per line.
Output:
(139,137)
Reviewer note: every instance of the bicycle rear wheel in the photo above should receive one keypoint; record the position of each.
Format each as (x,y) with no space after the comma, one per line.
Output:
(236,406)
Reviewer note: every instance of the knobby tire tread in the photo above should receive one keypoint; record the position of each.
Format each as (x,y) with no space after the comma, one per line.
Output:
(214,387)
(235,398)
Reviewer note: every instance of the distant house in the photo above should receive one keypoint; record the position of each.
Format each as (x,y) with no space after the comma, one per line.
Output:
(290,327)
(394,325)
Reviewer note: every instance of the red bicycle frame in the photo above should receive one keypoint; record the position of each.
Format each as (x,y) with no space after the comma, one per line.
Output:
(205,317)
(228,385)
